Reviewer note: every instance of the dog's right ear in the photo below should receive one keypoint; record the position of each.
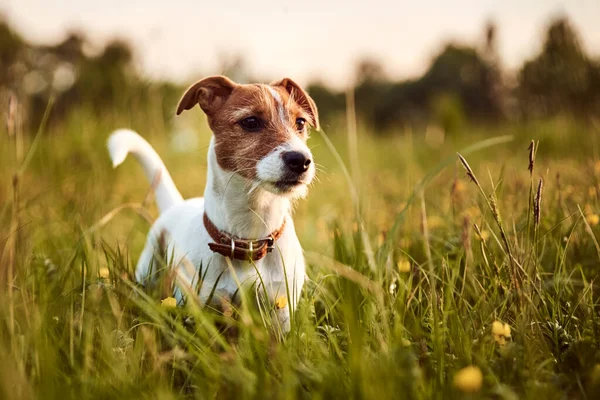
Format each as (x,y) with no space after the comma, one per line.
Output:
(210,93)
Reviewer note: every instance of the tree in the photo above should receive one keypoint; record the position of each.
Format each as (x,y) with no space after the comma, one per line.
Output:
(561,78)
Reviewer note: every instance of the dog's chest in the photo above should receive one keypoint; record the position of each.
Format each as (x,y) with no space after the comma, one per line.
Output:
(214,272)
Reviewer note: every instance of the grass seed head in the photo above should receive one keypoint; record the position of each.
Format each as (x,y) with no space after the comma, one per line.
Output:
(495,210)
(538,202)
(531,157)
(467,167)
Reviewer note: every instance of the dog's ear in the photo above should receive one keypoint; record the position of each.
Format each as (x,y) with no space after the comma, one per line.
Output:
(301,98)
(210,93)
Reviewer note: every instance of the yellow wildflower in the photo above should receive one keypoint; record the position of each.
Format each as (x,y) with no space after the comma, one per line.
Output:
(281,302)
(592,219)
(500,332)
(459,186)
(403,265)
(473,212)
(406,342)
(405,243)
(469,379)
(435,222)
(104,273)
(485,235)
(570,189)
(169,302)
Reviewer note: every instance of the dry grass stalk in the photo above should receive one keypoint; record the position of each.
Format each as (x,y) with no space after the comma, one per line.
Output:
(466,236)
(492,205)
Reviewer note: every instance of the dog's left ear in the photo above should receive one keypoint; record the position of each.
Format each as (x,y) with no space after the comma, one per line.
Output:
(301,98)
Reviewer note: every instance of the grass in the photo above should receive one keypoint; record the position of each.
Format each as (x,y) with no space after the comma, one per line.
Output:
(414,253)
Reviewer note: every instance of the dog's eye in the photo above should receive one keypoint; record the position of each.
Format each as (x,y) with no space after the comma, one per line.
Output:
(300,122)
(251,124)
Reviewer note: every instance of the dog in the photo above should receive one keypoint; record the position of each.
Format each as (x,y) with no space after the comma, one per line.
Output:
(241,232)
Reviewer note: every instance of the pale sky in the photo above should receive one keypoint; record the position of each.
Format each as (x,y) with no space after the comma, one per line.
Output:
(182,39)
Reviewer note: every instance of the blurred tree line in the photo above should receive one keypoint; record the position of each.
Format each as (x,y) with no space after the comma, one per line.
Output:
(467,84)
(463,84)
(70,75)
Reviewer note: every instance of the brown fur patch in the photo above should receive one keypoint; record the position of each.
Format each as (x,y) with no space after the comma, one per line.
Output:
(227,103)
(238,150)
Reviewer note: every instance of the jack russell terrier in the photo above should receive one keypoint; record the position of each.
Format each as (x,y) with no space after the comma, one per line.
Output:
(242,231)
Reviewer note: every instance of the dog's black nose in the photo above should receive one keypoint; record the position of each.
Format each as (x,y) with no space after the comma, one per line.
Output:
(296,161)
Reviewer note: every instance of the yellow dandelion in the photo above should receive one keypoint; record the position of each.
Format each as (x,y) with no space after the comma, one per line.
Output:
(592,219)
(485,235)
(472,212)
(469,379)
(281,302)
(104,273)
(403,265)
(459,186)
(435,222)
(405,243)
(500,332)
(570,189)
(169,302)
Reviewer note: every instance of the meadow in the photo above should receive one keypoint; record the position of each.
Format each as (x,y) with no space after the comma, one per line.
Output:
(429,276)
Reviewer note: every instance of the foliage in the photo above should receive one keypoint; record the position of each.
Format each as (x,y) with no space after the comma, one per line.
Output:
(562,77)
(430,286)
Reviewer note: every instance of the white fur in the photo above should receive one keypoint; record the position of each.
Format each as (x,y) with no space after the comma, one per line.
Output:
(279,103)
(241,113)
(271,167)
(234,206)
(124,141)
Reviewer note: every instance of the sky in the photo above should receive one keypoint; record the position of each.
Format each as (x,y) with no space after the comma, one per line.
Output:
(184,40)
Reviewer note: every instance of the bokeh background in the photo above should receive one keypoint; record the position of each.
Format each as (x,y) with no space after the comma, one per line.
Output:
(421,280)
(402,84)
(410,63)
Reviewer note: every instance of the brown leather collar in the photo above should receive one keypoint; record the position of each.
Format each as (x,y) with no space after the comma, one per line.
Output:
(240,249)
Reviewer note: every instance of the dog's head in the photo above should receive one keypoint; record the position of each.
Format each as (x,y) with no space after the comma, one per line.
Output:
(260,130)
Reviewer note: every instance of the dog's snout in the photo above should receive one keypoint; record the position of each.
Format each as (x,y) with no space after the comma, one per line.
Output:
(296,161)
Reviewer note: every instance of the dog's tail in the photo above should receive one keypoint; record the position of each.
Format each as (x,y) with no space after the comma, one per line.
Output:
(124,141)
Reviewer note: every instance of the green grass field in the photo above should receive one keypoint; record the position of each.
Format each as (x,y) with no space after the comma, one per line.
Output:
(411,263)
